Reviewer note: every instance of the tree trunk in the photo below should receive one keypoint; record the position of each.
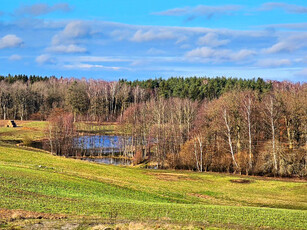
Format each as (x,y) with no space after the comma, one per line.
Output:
(4,112)
(50,139)
(196,157)
(248,113)
(229,138)
(201,153)
(273,134)
(289,133)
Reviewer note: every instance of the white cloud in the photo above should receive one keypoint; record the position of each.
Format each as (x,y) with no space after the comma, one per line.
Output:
(144,36)
(290,8)
(121,34)
(291,26)
(288,43)
(82,59)
(280,46)
(203,52)
(45,59)
(76,29)
(273,62)
(10,41)
(15,57)
(67,49)
(174,11)
(154,33)
(73,30)
(211,39)
(219,55)
(42,8)
(185,46)
(154,51)
(201,10)
(36,24)
(90,66)
(302,73)
(181,38)
(139,63)
(242,54)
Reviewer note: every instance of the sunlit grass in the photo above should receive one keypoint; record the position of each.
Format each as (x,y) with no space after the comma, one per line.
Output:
(97,128)
(25,129)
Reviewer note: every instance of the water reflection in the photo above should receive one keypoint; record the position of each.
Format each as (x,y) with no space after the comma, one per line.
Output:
(104,145)
(110,161)
(101,144)
(106,149)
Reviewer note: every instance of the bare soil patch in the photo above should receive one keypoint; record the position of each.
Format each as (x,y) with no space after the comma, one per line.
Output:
(201,196)
(242,181)
(171,176)
(12,215)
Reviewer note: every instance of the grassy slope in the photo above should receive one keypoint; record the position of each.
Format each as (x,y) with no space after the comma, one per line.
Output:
(36,181)
(26,129)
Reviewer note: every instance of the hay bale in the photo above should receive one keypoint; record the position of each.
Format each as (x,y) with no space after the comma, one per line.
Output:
(11,124)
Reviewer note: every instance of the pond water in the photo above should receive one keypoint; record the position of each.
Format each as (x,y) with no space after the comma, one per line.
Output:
(103,149)
(102,144)
(110,160)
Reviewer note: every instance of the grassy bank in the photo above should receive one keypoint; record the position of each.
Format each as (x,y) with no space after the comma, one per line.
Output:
(39,182)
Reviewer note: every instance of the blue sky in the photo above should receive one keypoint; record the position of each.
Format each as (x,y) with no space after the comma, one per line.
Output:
(136,39)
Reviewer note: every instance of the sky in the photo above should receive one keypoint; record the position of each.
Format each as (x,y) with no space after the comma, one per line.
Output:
(142,39)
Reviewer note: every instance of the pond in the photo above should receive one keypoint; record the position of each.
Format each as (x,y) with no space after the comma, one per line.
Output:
(105,149)
(102,144)
(110,160)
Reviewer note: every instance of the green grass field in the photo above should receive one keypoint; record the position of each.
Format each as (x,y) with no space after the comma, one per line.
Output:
(36,181)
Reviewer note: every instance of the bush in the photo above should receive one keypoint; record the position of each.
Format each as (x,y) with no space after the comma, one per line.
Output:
(137,158)
(27,141)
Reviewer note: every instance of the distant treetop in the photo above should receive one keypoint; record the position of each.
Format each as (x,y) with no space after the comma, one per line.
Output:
(23,78)
(199,88)
(195,88)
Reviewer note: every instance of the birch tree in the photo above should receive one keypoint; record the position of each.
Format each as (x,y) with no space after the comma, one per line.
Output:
(271,115)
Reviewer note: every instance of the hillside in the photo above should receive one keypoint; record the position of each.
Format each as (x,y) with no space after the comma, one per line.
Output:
(38,182)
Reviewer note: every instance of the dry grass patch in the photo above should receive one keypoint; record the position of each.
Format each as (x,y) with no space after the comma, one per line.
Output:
(242,181)
(12,215)
(171,176)
(201,196)
(145,226)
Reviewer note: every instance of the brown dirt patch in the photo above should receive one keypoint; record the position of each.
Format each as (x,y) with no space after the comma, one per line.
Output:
(171,176)
(242,181)
(11,215)
(200,196)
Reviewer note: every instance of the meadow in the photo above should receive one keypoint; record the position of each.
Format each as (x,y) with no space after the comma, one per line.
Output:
(35,181)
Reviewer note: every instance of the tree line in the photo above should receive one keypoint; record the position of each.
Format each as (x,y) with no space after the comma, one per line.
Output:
(22,77)
(206,124)
(199,88)
(242,131)
(34,97)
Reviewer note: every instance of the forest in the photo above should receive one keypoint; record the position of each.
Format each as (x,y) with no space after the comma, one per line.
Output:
(244,126)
